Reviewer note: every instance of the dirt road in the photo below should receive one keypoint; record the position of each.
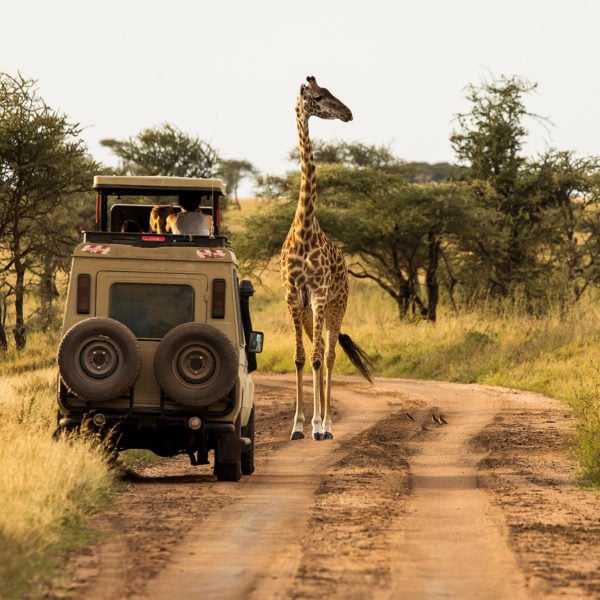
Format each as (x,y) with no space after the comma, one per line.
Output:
(429,490)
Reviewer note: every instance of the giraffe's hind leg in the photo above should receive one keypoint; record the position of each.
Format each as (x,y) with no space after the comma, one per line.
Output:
(333,324)
(326,383)
(298,427)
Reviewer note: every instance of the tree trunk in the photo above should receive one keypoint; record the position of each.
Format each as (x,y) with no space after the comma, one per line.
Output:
(3,338)
(48,292)
(403,299)
(408,301)
(433,292)
(19,332)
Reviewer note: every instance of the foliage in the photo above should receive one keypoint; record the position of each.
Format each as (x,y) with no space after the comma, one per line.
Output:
(261,236)
(43,165)
(165,150)
(490,137)
(354,155)
(544,206)
(408,237)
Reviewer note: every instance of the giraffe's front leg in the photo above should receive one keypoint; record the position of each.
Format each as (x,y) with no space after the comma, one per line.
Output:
(327,424)
(317,368)
(300,359)
(318,432)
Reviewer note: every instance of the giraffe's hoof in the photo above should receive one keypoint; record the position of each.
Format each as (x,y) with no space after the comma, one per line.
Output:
(318,437)
(328,435)
(297,435)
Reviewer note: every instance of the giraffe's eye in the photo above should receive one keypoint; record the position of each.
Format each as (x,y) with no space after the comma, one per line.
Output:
(317,98)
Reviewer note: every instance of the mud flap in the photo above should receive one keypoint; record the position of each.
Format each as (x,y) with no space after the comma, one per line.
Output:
(229,448)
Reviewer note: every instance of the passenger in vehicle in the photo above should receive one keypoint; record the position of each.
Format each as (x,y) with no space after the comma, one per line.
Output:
(131,226)
(190,220)
(158,218)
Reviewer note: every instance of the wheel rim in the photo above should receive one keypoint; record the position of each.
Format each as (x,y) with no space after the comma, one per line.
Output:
(99,358)
(196,364)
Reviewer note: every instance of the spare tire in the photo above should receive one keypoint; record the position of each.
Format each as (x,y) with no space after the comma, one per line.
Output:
(99,359)
(196,364)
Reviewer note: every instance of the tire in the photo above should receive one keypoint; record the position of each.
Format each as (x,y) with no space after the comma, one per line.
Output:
(248,456)
(228,471)
(99,359)
(196,364)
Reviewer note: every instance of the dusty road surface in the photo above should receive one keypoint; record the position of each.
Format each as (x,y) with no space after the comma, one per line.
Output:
(429,490)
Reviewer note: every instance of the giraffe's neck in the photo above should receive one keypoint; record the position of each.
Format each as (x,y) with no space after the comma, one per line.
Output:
(305,211)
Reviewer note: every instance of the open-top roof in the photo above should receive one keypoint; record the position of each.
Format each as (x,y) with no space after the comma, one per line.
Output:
(156,185)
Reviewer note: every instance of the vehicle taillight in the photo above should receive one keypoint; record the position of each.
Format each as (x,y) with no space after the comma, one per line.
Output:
(84,284)
(217,215)
(218,299)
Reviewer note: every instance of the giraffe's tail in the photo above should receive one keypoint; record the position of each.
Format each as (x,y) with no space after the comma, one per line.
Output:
(358,357)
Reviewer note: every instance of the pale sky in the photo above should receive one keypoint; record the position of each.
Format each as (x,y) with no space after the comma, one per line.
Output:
(228,71)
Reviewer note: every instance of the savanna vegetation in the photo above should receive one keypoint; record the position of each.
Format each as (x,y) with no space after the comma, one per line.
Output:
(482,271)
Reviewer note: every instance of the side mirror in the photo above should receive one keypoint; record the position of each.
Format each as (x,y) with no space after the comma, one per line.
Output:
(255,342)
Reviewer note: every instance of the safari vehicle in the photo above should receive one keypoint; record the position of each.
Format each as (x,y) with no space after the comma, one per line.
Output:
(157,344)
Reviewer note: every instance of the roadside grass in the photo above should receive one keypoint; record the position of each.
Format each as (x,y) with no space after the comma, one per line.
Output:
(48,489)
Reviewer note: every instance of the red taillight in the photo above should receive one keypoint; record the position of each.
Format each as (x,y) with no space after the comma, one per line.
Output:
(153,238)
(84,284)
(217,216)
(218,299)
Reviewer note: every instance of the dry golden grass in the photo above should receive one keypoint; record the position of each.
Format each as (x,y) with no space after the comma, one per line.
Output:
(47,488)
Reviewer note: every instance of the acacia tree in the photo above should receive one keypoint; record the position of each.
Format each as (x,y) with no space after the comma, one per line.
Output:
(233,171)
(165,150)
(42,163)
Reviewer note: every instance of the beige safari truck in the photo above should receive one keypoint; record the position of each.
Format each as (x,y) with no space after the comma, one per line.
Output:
(157,345)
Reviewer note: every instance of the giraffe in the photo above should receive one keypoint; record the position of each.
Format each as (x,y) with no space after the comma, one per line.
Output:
(315,275)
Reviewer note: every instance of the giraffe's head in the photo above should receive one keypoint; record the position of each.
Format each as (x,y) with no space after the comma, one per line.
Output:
(320,102)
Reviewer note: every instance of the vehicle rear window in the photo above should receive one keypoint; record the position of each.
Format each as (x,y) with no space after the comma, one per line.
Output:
(151,310)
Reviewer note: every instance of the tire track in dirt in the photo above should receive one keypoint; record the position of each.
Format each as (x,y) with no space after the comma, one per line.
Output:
(452,542)
(252,549)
